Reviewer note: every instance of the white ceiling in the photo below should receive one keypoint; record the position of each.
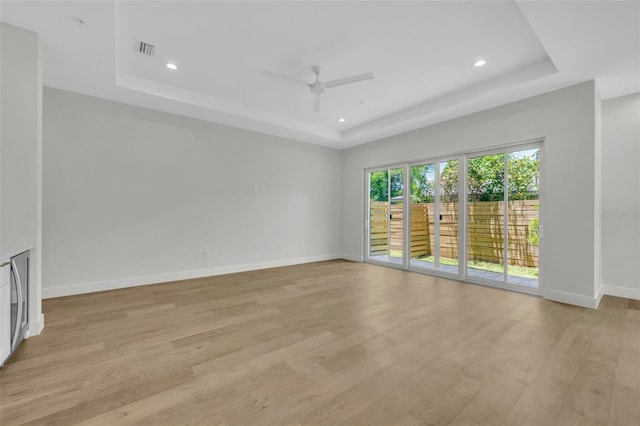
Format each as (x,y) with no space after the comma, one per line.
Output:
(422,55)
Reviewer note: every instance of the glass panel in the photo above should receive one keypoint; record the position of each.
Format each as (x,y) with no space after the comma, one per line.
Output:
(396,216)
(523,171)
(448,253)
(485,207)
(379,214)
(386,237)
(422,214)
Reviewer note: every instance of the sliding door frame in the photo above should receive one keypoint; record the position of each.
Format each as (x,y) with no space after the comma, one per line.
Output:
(463,219)
(436,241)
(367,214)
(505,149)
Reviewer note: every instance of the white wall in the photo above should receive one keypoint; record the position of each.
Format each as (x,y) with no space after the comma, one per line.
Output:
(597,207)
(621,196)
(566,119)
(133,196)
(20,156)
(20,103)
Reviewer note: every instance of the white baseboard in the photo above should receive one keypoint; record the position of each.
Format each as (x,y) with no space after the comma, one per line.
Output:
(91,287)
(35,327)
(347,256)
(629,293)
(599,295)
(571,298)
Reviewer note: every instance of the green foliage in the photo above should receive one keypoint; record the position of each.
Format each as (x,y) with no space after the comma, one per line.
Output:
(396,184)
(485,177)
(533,233)
(422,183)
(449,181)
(379,186)
(383,181)
(523,172)
(533,237)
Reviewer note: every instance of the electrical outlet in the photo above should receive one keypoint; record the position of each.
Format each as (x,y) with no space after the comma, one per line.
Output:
(301,244)
(205,253)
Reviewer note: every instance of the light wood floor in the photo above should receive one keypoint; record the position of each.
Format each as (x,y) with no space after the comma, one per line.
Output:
(329,343)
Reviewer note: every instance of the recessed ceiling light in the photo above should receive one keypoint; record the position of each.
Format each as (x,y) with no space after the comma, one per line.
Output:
(341,120)
(172,66)
(479,63)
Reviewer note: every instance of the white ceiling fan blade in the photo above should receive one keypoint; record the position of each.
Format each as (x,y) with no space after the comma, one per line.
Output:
(283,77)
(316,103)
(347,80)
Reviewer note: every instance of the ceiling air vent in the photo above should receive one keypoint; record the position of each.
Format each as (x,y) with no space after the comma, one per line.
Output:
(146,48)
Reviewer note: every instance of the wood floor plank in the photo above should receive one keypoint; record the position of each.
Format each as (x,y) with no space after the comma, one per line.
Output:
(326,343)
(628,369)
(625,410)
(540,404)
(495,400)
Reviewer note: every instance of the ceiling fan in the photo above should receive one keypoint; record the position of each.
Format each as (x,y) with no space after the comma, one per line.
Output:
(318,87)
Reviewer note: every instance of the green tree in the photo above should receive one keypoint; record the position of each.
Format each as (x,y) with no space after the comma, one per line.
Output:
(449,181)
(485,177)
(485,180)
(523,173)
(379,186)
(396,183)
(384,180)
(422,183)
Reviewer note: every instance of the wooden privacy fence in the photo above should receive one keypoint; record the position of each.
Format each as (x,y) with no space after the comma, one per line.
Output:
(486,237)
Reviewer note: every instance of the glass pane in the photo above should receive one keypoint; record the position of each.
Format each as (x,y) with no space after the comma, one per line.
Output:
(422,214)
(379,214)
(386,189)
(524,171)
(448,253)
(396,216)
(485,234)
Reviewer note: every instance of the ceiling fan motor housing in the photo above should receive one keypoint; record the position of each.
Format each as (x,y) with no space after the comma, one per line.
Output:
(317,87)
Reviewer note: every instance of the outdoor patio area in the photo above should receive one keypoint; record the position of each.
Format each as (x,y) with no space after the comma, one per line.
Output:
(453,270)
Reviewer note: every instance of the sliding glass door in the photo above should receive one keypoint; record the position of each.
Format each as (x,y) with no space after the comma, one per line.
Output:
(418,218)
(485,217)
(386,215)
(502,217)
(422,226)
(523,208)
(434,216)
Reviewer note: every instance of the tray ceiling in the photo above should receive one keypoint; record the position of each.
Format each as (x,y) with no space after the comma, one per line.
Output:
(422,55)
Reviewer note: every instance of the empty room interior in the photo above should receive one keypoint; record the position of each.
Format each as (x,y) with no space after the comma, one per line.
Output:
(320,213)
